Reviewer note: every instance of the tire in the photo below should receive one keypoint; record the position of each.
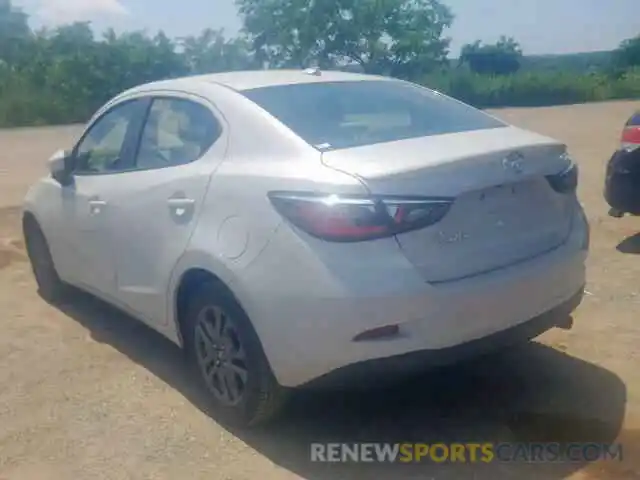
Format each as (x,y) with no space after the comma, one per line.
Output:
(50,287)
(210,310)
(622,182)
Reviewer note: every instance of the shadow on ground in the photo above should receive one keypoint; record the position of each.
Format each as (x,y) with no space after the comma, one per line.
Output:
(630,245)
(531,393)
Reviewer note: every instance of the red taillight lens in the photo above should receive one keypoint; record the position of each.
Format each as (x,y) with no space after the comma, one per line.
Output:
(413,213)
(356,218)
(631,138)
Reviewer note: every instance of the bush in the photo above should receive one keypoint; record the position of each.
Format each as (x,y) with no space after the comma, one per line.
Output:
(57,100)
(533,89)
(627,86)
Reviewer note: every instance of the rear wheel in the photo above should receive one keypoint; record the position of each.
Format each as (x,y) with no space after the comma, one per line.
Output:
(228,357)
(50,287)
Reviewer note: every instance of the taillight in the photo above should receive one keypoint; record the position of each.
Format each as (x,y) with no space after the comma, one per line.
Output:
(566,181)
(631,138)
(631,134)
(341,218)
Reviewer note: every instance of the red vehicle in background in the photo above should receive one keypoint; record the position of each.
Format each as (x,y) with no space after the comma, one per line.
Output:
(622,184)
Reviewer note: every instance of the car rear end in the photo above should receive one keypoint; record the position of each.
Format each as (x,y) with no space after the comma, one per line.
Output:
(622,184)
(464,230)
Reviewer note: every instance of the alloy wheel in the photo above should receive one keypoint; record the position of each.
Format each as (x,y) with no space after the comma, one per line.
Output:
(220,355)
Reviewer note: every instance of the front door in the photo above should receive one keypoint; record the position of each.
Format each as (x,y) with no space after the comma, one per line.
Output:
(100,157)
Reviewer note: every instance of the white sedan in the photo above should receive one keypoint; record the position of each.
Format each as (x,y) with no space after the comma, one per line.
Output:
(296,227)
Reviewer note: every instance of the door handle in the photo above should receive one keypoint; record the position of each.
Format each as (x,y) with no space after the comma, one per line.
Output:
(96,206)
(180,206)
(181,202)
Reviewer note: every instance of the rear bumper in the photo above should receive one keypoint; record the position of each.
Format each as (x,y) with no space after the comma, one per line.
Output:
(307,320)
(416,362)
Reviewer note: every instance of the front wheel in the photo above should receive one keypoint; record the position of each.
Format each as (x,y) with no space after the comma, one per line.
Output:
(228,357)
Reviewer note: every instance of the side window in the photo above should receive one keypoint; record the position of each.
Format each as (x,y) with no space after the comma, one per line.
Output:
(177,131)
(100,150)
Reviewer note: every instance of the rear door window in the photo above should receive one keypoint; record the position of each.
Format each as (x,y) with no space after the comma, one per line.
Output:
(177,131)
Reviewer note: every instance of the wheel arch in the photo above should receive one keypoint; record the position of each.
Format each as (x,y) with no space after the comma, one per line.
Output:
(30,221)
(187,283)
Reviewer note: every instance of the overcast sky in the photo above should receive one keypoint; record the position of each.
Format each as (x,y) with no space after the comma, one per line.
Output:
(541,26)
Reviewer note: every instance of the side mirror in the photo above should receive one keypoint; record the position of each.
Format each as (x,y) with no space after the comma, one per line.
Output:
(60,166)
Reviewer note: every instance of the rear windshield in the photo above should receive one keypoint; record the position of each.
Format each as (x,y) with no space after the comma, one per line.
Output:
(333,115)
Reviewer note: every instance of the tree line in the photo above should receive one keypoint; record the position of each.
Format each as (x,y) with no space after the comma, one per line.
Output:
(62,75)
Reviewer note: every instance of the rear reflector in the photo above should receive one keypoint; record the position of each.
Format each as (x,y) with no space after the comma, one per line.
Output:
(379,333)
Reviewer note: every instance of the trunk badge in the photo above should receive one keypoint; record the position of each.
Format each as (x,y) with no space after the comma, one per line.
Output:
(448,238)
(514,162)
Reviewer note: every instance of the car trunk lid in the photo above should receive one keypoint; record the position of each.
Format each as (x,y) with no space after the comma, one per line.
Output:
(504,209)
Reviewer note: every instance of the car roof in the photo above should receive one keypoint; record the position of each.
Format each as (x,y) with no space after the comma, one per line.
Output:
(246,80)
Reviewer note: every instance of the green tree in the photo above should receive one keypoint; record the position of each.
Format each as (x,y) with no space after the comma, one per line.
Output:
(62,75)
(396,37)
(211,52)
(628,54)
(14,33)
(502,58)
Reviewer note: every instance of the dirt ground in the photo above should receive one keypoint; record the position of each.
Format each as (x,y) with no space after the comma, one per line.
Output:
(87,393)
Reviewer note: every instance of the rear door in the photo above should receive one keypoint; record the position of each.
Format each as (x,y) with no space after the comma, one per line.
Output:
(156,205)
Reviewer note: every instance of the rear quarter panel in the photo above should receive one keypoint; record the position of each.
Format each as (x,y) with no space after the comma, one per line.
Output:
(238,221)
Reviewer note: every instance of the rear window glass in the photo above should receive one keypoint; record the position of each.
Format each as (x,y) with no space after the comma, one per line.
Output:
(333,115)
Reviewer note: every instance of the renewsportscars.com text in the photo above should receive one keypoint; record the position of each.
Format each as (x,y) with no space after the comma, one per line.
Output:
(464,452)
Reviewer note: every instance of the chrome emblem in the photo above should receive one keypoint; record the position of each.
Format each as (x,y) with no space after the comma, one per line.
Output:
(514,162)
(448,238)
